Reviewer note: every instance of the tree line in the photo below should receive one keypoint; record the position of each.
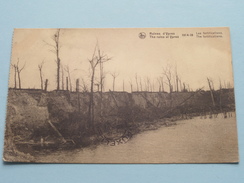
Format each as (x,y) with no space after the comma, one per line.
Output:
(169,80)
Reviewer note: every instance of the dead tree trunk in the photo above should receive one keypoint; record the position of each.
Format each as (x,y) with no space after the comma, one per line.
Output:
(114,75)
(148,84)
(97,58)
(168,75)
(140,84)
(91,102)
(176,79)
(18,72)
(211,91)
(101,60)
(57,47)
(58,72)
(93,62)
(57,131)
(137,86)
(180,85)
(70,84)
(177,83)
(62,77)
(78,92)
(220,96)
(46,83)
(84,85)
(102,77)
(69,77)
(41,80)
(15,75)
(184,87)
(19,79)
(77,85)
(162,84)
(67,83)
(41,75)
(159,83)
(113,84)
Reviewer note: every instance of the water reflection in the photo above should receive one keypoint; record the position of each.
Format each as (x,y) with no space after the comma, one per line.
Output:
(194,140)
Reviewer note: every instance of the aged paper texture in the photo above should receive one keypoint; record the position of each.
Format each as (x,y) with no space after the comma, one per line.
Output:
(135,95)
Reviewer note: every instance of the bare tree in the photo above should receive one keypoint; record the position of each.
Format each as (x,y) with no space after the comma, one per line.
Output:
(152,86)
(97,58)
(176,79)
(46,83)
(67,83)
(102,58)
(167,73)
(220,84)
(41,74)
(93,63)
(184,87)
(159,84)
(210,84)
(15,75)
(18,70)
(57,46)
(220,94)
(55,50)
(62,71)
(102,73)
(180,85)
(84,85)
(140,84)
(66,68)
(147,83)
(114,75)
(77,88)
(137,86)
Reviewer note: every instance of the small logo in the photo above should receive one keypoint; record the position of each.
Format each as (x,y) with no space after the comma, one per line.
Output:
(142,35)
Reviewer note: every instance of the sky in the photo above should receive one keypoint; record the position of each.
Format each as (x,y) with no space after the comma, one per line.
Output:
(195,58)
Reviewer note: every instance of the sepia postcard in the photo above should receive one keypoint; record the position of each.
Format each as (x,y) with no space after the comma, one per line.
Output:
(121,95)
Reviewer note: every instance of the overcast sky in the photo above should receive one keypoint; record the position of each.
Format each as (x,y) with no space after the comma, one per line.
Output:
(195,58)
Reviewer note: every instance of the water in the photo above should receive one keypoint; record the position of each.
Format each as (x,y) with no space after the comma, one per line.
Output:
(190,141)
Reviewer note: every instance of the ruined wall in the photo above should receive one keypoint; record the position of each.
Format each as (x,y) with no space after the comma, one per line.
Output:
(34,107)
(40,104)
(29,111)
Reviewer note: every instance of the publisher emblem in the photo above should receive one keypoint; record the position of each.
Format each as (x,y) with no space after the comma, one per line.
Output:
(142,35)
